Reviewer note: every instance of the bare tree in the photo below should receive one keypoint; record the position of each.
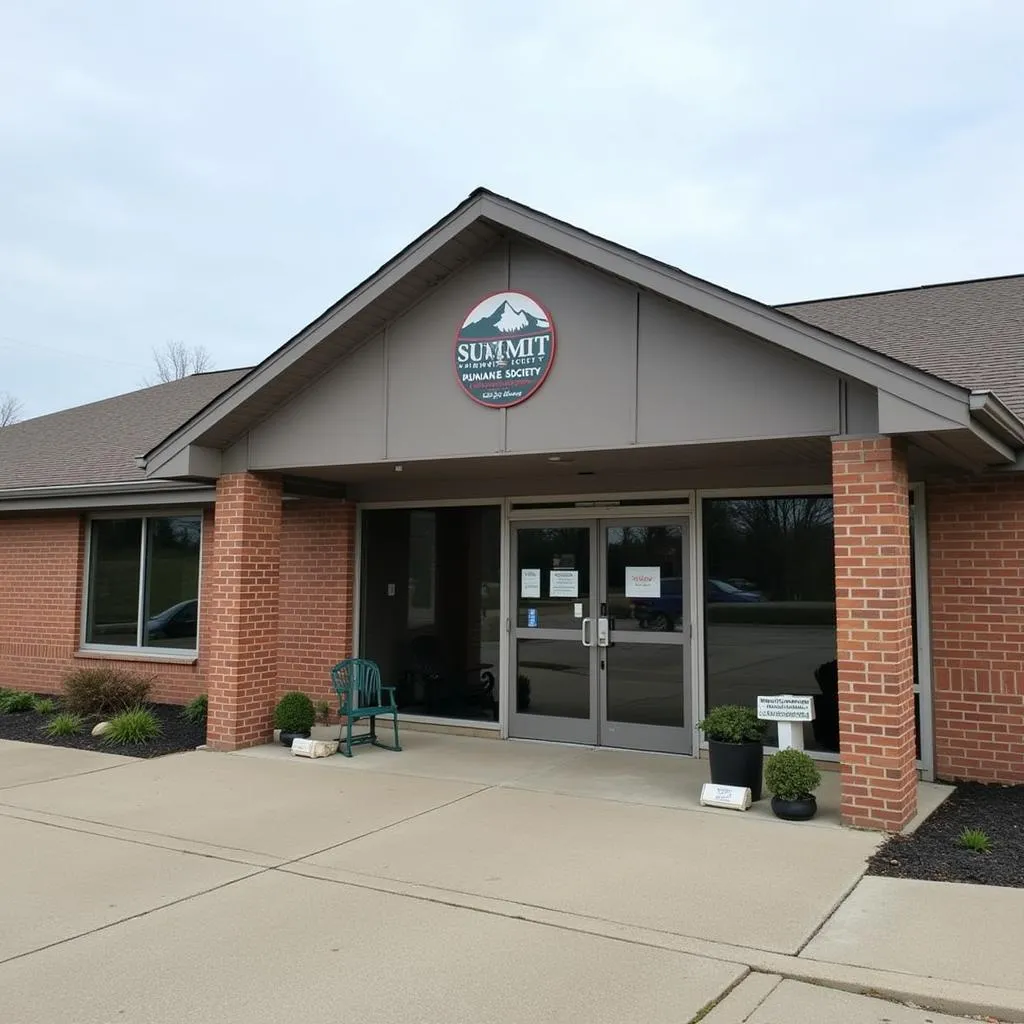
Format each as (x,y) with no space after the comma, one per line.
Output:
(176,360)
(10,409)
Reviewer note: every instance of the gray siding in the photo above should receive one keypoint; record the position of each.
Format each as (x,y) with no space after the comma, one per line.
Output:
(630,368)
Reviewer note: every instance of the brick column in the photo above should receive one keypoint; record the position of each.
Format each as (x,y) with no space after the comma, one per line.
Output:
(241,673)
(874,632)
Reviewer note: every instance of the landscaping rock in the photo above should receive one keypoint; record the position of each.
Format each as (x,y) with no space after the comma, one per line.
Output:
(100,728)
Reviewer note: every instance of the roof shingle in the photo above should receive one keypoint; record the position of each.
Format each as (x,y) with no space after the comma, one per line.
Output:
(98,443)
(969,333)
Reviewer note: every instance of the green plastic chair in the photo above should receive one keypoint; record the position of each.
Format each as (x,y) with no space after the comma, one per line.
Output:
(356,681)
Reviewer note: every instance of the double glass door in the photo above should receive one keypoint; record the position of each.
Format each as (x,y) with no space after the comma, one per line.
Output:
(601,633)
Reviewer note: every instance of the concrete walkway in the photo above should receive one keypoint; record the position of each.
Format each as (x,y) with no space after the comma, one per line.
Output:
(498,882)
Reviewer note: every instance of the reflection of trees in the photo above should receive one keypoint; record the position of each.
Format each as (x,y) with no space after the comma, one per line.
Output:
(784,546)
(644,545)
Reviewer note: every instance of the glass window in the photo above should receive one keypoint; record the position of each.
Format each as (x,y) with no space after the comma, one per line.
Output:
(429,607)
(770,612)
(143,588)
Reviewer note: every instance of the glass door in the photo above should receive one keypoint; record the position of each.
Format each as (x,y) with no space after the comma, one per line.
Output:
(553,632)
(643,635)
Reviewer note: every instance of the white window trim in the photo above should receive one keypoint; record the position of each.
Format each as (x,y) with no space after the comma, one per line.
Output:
(138,651)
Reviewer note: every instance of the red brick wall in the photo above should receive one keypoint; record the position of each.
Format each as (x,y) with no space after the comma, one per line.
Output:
(41,570)
(874,633)
(316,597)
(976,563)
(242,609)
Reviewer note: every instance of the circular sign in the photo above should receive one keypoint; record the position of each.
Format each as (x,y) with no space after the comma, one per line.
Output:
(504,349)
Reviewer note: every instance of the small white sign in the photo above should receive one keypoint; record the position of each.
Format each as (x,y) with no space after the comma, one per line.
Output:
(785,707)
(736,798)
(643,581)
(529,583)
(577,610)
(564,583)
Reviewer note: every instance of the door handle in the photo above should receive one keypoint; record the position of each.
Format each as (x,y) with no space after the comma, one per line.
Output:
(602,632)
(584,635)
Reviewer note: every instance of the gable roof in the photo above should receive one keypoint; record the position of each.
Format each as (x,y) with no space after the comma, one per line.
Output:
(970,333)
(98,443)
(480,222)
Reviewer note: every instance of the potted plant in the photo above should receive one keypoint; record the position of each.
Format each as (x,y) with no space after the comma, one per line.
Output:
(791,776)
(294,716)
(735,742)
(323,730)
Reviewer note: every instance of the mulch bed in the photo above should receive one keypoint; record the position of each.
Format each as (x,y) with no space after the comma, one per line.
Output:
(932,852)
(178,734)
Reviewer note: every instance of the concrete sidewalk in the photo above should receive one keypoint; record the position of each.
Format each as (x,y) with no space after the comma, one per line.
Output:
(223,887)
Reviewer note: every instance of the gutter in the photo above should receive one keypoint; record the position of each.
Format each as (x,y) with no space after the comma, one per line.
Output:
(992,414)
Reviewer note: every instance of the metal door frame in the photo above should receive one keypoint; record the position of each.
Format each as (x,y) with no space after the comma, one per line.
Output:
(551,727)
(630,735)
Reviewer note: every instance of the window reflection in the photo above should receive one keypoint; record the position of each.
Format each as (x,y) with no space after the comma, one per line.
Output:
(770,617)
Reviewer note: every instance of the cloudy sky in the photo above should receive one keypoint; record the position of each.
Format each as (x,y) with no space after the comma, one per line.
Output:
(219,172)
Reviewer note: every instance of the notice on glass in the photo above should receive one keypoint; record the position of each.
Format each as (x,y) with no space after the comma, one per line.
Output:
(564,583)
(643,581)
(529,583)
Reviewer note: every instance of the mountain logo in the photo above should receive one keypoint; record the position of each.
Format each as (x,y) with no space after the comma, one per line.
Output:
(504,349)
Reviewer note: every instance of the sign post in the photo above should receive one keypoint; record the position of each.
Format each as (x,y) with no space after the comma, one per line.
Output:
(790,712)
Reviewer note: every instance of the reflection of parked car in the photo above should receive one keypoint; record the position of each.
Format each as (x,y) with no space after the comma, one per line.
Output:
(718,591)
(175,623)
(663,612)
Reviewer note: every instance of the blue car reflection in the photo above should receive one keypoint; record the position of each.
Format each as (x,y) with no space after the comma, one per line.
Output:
(664,613)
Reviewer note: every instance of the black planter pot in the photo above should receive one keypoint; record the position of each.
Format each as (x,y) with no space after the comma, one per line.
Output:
(801,809)
(737,764)
(287,737)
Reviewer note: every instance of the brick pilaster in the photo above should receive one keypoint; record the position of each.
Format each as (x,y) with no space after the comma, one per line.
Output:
(243,611)
(874,634)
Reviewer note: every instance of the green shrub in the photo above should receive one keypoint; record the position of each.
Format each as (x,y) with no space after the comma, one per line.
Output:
(16,700)
(65,724)
(294,713)
(976,840)
(44,705)
(323,712)
(732,723)
(104,691)
(136,725)
(195,710)
(791,774)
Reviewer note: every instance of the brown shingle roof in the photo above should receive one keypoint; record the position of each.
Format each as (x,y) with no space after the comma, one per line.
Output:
(98,443)
(970,333)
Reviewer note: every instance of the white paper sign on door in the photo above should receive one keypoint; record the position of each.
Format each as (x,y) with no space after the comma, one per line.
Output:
(529,583)
(564,583)
(643,581)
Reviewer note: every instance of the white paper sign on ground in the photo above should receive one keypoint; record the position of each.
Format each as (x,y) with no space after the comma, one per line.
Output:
(529,583)
(564,583)
(643,581)
(785,707)
(736,798)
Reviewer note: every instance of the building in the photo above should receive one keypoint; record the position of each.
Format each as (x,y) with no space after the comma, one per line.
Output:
(560,490)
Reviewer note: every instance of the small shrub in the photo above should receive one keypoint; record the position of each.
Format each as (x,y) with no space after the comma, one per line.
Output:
(732,723)
(791,774)
(976,840)
(136,725)
(65,724)
(15,701)
(294,713)
(195,710)
(104,691)
(44,706)
(323,712)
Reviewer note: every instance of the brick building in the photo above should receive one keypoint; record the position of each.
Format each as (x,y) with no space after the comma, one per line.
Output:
(559,490)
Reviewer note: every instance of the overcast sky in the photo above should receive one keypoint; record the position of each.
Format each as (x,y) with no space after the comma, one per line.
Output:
(219,172)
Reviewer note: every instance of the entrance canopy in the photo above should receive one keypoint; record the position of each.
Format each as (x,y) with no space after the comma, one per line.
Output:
(504,334)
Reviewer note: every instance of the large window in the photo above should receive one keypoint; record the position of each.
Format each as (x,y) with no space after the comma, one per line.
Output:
(429,607)
(770,612)
(143,587)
